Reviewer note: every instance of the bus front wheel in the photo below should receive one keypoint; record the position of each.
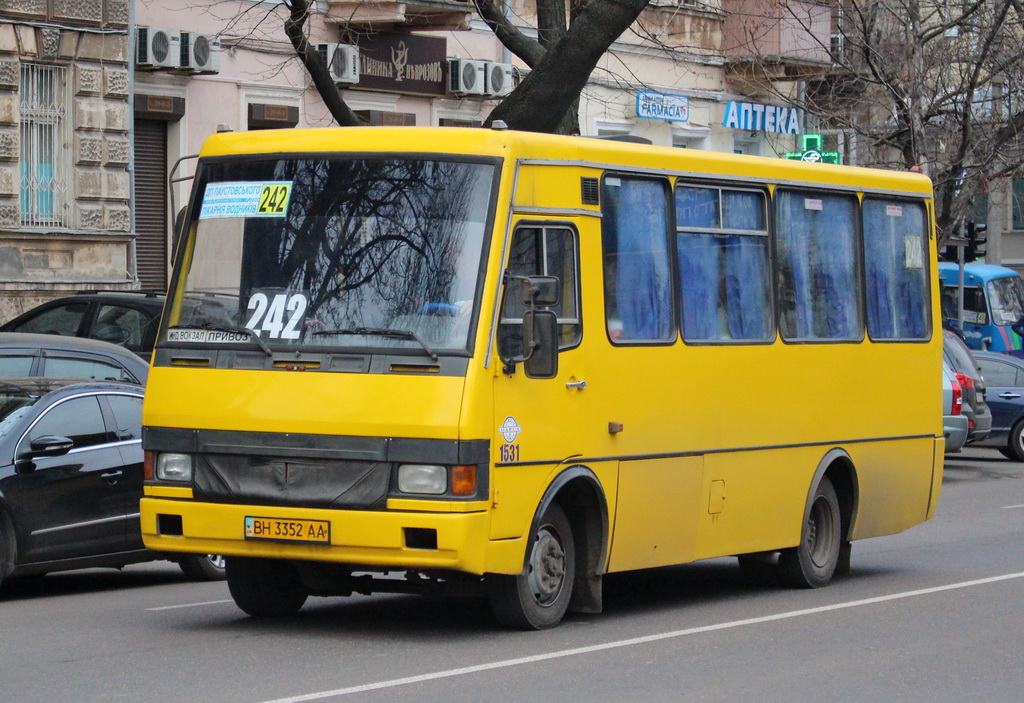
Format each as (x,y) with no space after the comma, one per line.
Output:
(538,596)
(265,587)
(812,563)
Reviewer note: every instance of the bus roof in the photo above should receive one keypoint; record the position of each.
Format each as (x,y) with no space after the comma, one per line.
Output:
(531,145)
(984,272)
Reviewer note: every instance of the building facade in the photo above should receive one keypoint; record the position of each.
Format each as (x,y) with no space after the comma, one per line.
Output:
(65,154)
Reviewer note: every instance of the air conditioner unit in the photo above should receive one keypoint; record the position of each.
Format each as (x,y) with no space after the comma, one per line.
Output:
(499,78)
(158,47)
(342,60)
(200,52)
(467,77)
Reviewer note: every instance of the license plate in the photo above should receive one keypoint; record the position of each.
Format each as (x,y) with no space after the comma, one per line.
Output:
(280,529)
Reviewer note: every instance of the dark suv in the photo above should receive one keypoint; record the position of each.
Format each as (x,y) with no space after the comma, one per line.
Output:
(975,407)
(127,318)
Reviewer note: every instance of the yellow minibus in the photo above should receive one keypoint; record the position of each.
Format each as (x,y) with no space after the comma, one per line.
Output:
(469,360)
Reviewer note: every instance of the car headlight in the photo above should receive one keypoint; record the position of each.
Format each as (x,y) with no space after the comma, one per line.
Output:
(429,479)
(174,467)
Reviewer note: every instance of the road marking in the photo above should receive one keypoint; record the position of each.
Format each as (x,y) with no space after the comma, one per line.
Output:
(188,605)
(1011,507)
(506,663)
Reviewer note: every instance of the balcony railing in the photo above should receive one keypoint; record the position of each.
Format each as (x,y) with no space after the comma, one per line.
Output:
(419,14)
(791,35)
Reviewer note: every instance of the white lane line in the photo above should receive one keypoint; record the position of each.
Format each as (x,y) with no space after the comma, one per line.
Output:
(188,605)
(394,683)
(1011,507)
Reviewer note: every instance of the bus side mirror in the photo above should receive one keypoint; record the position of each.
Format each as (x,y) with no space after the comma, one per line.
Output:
(540,342)
(539,291)
(540,327)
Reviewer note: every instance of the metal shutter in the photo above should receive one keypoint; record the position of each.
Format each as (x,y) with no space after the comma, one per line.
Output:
(151,202)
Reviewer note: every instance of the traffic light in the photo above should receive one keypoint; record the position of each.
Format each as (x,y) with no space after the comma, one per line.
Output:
(976,240)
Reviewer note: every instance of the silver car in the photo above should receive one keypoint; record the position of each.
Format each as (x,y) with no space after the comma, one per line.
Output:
(954,422)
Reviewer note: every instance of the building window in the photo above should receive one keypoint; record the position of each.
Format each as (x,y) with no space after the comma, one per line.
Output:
(43,178)
(1018,204)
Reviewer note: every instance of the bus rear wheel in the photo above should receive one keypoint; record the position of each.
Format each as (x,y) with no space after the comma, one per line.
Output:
(538,596)
(265,587)
(812,563)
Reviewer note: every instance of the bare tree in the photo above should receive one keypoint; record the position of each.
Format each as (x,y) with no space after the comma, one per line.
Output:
(571,39)
(932,84)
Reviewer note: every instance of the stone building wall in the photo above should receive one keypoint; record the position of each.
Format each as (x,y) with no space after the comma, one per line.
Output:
(91,247)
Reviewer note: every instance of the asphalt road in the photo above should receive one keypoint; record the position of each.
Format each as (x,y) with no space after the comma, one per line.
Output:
(935,614)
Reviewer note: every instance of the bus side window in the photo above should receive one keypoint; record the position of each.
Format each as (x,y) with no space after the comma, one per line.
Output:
(895,246)
(541,251)
(722,249)
(819,290)
(637,263)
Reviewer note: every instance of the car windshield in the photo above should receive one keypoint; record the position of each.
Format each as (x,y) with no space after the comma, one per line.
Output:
(1006,296)
(959,356)
(14,406)
(347,253)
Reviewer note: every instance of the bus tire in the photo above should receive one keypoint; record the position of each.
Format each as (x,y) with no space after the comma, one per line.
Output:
(265,587)
(1015,447)
(202,567)
(812,563)
(537,597)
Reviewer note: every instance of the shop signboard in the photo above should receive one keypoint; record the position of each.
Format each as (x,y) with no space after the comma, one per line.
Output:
(411,64)
(662,106)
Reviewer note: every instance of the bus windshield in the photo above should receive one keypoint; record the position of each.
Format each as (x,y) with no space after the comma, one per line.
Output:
(352,253)
(1006,295)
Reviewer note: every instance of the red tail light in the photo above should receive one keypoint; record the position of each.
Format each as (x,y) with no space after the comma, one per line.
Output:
(958,398)
(966,381)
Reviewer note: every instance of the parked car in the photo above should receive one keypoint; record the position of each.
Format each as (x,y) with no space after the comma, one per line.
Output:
(23,354)
(71,474)
(1005,377)
(959,357)
(126,318)
(954,422)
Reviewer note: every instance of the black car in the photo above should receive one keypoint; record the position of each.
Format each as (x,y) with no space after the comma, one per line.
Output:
(71,474)
(23,354)
(126,318)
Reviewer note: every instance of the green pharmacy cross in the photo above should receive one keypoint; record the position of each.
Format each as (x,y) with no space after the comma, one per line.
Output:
(813,149)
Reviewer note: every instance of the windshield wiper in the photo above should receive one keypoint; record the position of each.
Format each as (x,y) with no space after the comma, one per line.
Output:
(382,332)
(237,329)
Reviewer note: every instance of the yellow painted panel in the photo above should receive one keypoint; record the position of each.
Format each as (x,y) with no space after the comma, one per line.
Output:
(168,491)
(895,485)
(375,405)
(656,514)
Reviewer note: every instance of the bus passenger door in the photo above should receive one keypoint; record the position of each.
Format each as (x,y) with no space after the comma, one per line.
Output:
(537,421)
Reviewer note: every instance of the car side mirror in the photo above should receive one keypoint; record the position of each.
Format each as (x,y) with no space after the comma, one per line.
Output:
(49,445)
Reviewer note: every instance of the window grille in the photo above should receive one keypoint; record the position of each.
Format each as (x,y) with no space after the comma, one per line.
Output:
(43,173)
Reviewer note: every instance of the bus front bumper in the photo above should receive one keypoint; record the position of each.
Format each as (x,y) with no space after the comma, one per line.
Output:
(375,540)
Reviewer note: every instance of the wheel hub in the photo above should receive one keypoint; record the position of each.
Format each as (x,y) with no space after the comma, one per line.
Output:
(547,567)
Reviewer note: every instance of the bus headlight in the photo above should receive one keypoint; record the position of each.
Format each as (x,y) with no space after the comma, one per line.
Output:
(430,479)
(173,467)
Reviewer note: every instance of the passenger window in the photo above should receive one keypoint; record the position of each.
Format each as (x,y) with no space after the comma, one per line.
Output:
(637,267)
(14,365)
(997,374)
(62,319)
(895,250)
(817,266)
(722,248)
(120,325)
(70,367)
(79,419)
(541,251)
(127,411)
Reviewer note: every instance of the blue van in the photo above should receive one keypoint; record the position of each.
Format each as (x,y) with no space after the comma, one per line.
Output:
(993,300)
